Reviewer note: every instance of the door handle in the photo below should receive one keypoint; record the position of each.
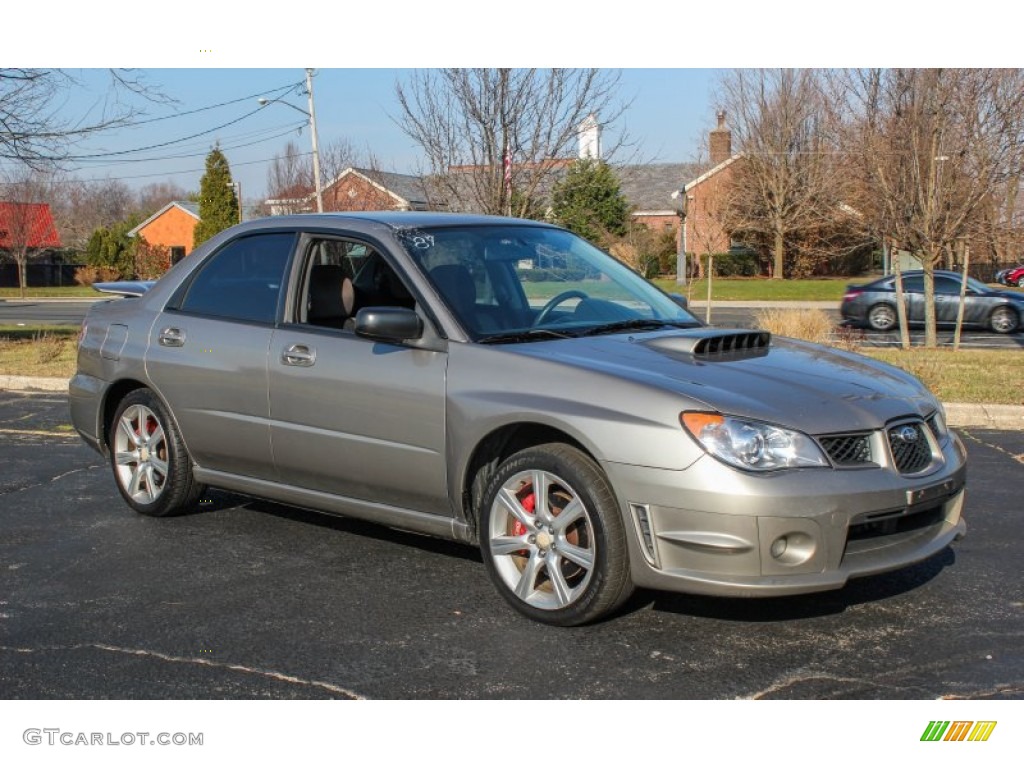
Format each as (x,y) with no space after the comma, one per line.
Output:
(299,355)
(172,337)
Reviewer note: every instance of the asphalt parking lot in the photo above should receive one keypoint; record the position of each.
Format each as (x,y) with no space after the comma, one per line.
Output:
(248,599)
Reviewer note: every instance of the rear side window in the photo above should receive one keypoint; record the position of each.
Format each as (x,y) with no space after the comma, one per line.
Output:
(243,280)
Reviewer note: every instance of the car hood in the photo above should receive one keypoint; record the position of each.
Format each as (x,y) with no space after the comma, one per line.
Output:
(790,383)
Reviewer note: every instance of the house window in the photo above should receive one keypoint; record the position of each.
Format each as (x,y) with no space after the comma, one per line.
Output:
(177,254)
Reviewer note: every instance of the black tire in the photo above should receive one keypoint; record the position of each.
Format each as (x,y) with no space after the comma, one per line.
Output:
(152,468)
(1020,281)
(1004,320)
(573,566)
(882,317)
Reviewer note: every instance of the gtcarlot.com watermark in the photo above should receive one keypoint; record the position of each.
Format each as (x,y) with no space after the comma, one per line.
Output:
(56,737)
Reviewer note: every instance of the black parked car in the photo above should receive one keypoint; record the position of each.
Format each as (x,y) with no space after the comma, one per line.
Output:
(874,304)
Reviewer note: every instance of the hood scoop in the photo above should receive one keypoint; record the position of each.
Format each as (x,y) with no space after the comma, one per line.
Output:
(715,343)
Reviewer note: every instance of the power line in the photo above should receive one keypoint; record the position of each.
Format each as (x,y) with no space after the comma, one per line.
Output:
(282,89)
(227,146)
(161,144)
(164,173)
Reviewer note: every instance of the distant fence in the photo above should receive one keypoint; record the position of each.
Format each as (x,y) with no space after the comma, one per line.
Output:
(39,275)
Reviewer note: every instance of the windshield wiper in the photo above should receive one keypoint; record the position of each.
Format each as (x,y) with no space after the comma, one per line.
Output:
(532,334)
(637,324)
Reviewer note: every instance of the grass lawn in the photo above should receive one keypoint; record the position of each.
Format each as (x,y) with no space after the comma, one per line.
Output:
(38,351)
(63,292)
(966,376)
(739,289)
(762,289)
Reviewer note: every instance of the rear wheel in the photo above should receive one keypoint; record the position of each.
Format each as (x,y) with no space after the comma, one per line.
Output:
(882,317)
(1020,281)
(150,463)
(1004,320)
(552,537)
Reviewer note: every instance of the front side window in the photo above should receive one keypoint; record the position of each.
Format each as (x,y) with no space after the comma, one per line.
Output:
(515,282)
(243,280)
(343,276)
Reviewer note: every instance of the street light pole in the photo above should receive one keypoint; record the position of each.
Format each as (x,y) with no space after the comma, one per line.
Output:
(311,114)
(680,194)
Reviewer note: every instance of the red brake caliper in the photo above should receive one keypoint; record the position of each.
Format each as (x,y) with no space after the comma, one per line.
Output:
(529,504)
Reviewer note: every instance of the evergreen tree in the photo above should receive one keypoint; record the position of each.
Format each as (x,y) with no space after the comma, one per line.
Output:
(112,247)
(218,206)
(588,201)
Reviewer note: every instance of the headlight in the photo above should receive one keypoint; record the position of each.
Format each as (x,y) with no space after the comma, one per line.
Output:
(752,444)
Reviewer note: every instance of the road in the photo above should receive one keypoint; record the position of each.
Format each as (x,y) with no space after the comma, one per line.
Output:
(72,313)
(13,312)
(248,599)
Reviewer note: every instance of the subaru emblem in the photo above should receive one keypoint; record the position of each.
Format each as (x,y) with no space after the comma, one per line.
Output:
(907,434)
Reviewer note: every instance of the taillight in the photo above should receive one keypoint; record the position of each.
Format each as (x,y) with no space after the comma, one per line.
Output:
(851,295)
(81,332)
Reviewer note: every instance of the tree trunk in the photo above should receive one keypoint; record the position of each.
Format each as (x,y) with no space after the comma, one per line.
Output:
(930,339)
(779,250)
(22,277)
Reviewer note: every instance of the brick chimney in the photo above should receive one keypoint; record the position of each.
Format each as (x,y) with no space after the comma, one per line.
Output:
(720,143)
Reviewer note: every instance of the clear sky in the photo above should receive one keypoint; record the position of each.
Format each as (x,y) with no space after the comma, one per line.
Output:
(201,53)
(669,111)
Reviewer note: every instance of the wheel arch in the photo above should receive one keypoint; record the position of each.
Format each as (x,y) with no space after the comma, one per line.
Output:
(496,446)
(115,393)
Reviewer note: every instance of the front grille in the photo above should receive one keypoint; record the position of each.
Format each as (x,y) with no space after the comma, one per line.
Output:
(909,445)
(848,450)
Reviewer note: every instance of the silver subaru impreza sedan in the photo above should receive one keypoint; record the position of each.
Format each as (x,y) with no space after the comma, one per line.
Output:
(504,383)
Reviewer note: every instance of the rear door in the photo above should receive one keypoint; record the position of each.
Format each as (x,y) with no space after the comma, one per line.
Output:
(208,353)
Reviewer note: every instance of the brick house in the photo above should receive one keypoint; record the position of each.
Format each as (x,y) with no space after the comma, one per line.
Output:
(705,196)
(173,228)
(649,188)
(360,189)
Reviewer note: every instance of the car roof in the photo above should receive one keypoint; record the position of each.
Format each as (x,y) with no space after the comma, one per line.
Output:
(397,219)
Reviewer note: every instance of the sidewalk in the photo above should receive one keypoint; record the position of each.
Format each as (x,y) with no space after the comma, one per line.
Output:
(986,415)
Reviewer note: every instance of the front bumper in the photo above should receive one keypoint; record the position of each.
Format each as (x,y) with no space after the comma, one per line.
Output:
(714,530)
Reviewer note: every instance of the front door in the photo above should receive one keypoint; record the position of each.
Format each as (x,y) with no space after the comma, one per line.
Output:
(351,416)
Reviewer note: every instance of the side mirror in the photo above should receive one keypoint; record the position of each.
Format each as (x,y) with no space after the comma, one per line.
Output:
(394,324)
(679,299)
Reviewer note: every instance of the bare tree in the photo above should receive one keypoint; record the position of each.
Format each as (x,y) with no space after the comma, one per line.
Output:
(24,226)
(787,194)
(32,128)
(468,120)
(937,148)
(290,174)
(152,197)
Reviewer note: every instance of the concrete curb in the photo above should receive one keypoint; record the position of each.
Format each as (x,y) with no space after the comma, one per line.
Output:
(986,415)
(989,415)
(32,383)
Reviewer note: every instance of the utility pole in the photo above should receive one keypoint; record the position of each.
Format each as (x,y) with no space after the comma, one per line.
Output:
(316,148)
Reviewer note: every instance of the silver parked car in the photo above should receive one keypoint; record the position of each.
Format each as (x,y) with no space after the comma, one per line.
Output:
(874,304)
(504,383)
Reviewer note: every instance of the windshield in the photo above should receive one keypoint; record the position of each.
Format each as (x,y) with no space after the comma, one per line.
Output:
(520,283)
